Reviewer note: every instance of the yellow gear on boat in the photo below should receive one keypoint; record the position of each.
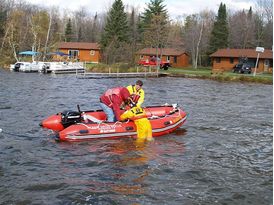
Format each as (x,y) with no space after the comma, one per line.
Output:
(138,115)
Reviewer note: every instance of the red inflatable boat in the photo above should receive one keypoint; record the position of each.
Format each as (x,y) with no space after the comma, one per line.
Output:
(75,126)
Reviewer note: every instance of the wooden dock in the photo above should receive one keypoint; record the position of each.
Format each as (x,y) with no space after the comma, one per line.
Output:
(89,75)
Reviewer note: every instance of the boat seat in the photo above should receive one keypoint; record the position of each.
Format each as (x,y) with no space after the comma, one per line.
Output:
(91,118)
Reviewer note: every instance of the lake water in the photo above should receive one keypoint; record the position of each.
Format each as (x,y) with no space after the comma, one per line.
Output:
(221,155)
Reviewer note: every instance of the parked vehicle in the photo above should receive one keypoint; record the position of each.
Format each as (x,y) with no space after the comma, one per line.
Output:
(242,68)
(152,62)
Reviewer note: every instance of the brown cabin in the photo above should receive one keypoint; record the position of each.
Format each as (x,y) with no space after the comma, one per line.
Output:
(177,58)
(81,51)
(226,59)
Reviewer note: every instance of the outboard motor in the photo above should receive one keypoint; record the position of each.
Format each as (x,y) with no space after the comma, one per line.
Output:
(17,67)
(45,68)
(70,117)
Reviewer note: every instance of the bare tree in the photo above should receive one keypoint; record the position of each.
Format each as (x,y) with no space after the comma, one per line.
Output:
(208,17)
(265,9)
(264,23)
(14,32)
(40,27)
(133,34)
(48,35)
(196,33)
(175,35)
(193,33)
(242,29)
(156,34)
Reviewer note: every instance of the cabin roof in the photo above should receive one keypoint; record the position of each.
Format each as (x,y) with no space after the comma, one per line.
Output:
(237,53)
(78,45)
(163,51)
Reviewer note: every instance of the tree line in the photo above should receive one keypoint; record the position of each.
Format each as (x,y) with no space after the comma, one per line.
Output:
(123,30)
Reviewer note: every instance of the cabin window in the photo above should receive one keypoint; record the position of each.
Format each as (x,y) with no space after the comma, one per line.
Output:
(266,62)
(92,52)
(168,58)
(252,62)
(74,53)
(231,60)
(270,63)
(141,56)
(218,60)
(175,59)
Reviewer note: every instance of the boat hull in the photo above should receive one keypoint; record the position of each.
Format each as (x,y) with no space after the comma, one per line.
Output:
(163,119)
(63,68)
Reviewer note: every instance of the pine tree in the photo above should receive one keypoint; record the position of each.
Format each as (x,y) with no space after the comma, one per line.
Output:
(68,31)
(154,16)
(156,8)
(115,38)
(250,30)
(133,34)
(219,34)
(116,28)
(80,35)
(94,29)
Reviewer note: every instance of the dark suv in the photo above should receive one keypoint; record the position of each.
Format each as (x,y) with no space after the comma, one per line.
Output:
(242,68)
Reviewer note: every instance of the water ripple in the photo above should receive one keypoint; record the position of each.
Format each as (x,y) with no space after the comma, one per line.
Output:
(221,155)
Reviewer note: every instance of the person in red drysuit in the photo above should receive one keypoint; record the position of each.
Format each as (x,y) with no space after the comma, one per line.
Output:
(112,100)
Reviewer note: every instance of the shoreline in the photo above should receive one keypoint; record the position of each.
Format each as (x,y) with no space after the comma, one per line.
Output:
(222,78)
(206,74)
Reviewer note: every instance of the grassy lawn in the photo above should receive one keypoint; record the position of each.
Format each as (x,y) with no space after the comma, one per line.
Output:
(189,71)
(202,73)
(206,73)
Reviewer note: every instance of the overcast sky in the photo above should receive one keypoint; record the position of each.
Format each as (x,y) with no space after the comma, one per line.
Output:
(174,7)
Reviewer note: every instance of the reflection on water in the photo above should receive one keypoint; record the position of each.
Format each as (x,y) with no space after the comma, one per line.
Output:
(127,165)
(221,155)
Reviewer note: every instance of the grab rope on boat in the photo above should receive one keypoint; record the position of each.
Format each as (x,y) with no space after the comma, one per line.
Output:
(175,109)
(100,122)
(103,123)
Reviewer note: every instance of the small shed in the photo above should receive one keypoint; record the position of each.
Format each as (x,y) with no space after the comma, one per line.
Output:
(177,58)
(81,51)
(226,59)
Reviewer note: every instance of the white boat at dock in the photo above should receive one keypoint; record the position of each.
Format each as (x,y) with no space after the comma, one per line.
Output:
(27,66)
(62,67)
(54,67)
(48,67)
(22,66)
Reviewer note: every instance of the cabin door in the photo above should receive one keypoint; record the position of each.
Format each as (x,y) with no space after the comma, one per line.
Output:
(266,65)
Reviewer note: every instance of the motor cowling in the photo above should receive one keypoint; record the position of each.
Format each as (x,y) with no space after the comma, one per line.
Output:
(70,117)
